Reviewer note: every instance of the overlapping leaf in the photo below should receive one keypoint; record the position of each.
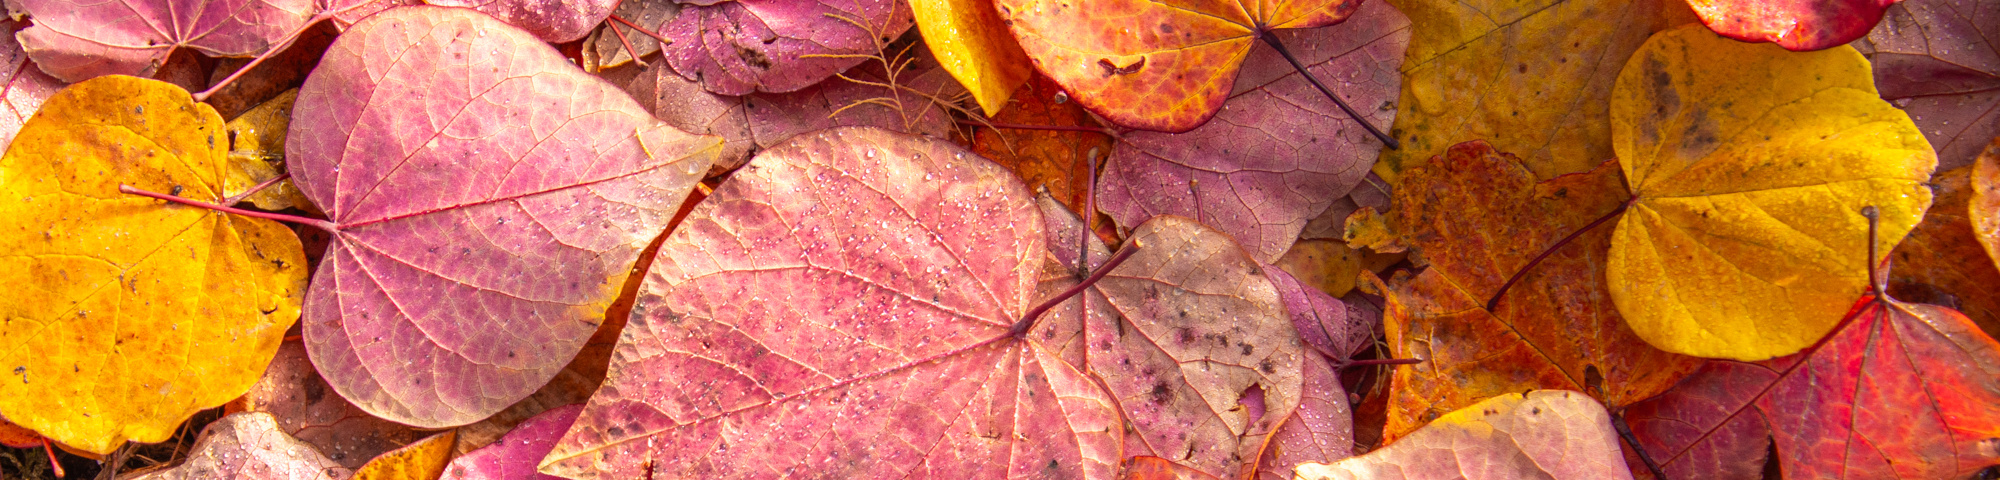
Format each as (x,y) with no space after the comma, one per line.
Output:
(1332,326)
(607,47)
(249,445)
(1940,61)
(1985,201)
(1479,217)
(554,21)
(488,197)
(1278,153)
(1942,255)
(1164,66)
(1531,78)
(842,305)
(306,408)
(1917,387)
(973,42)
(420,460)
(516,454)
(1058,160)
(1320,430)
(26,88)
(743,46)
(757,121)
(125,316)
(1747,164)
(1191,339)
(1800,25)
(75,40)
(1540,434)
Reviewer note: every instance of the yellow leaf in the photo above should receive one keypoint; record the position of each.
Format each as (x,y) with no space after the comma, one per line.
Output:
(968,38)
(122,315)
(1985,203)
(257,154)
(423,460)
(1367,228)
(1749,165)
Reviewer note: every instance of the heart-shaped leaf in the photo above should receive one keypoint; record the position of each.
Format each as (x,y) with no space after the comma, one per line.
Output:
(1800,25)
(843,305)
(1747,164)
(75,41)
(554,21)
(488,199)
(26,88)
(125,316)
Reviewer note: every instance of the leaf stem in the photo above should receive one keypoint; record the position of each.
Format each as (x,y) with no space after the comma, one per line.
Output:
(1028,321)
(312,222)
(663,40)
(1495,300)
(275,49)
(634,52)
(1272,39)
(1875,281)
(1625,433)
(53,463)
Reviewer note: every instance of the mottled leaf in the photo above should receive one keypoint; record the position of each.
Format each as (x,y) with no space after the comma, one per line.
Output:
(1985,201)
(421,460)
(1278,153)
(1321,430)
(257,155)
(1540,434)
(1939,60)
(605,48)
(1057,160)
(1479,217)
(1916,387)
(554,21)
(1747,164)
(250,446)
(124,316)
(514,457)
(1529,77)
(742,46)
(26,88)
(1331,325)
(842,306)
(1799,25)
(1941,262)
(461,161)
(75,41)
(758,121)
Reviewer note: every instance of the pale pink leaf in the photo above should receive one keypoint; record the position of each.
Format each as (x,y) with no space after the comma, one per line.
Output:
(250,446)
(515,456)
(77,40)
(743,46)
(1546,434)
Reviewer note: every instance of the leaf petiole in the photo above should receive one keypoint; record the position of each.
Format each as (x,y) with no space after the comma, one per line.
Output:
(1028,321)
(1491,303)
(329,227)
(1272,40)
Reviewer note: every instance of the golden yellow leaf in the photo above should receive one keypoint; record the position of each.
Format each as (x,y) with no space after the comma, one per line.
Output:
(1329,265)
(1985,203)
(423,460)
(968,38)
(1367,228)
(123,315)
(257,154)
(1748,165)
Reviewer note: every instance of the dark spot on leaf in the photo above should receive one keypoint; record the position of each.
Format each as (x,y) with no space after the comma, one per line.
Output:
(1247,348)
(1161,394)
(1113,69)
(315,391)
(1267,366)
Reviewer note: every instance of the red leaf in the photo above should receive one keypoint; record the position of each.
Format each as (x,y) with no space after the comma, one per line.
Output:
(1797,25)
(515,455)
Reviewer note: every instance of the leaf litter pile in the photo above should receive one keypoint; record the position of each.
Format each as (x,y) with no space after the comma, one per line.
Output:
(1097,239)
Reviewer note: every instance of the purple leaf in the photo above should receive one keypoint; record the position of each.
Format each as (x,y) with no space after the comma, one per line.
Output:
(1940,62)
(76,40)
(489,199)
(1333,325)
(554,21)
(743,46)
(514,457)
(1320,430)
(842,305)
(1278,153)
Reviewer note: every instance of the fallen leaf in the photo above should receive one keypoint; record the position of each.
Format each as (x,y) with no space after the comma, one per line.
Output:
(1917,385)
(1057,160)
(437,303)
(1331,224)
(26,88)
(1480,217)
(772,318)
(606,49)
(257,155)
(1367,228)
(1985,215)
(306,407)
(1942,254)
(1937,61)
(75,41)
(570,387)
(973,44)
(1174,72)
(103,283)
(281,72)
(743,46)
(1331,325)
(515,455)
(758,121)
(16,436)
(1747,164)
(1278,153)
(1528,77)
(1794,24)
(249,445)
(1540,434)
(553,21)
(1149,467)
(423,460)
(1329,266)
(1320,430)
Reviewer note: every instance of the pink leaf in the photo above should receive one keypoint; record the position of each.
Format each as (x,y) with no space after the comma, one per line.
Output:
(26,85)
(1552,434)
(489,199)
(514,457)
(554,21)
(75,41)
(743,46)
(842,306)
(1320,430)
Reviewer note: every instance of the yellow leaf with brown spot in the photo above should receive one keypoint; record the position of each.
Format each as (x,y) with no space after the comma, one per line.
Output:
(970,40)
(123,315)
(1748,165)
(423,460)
